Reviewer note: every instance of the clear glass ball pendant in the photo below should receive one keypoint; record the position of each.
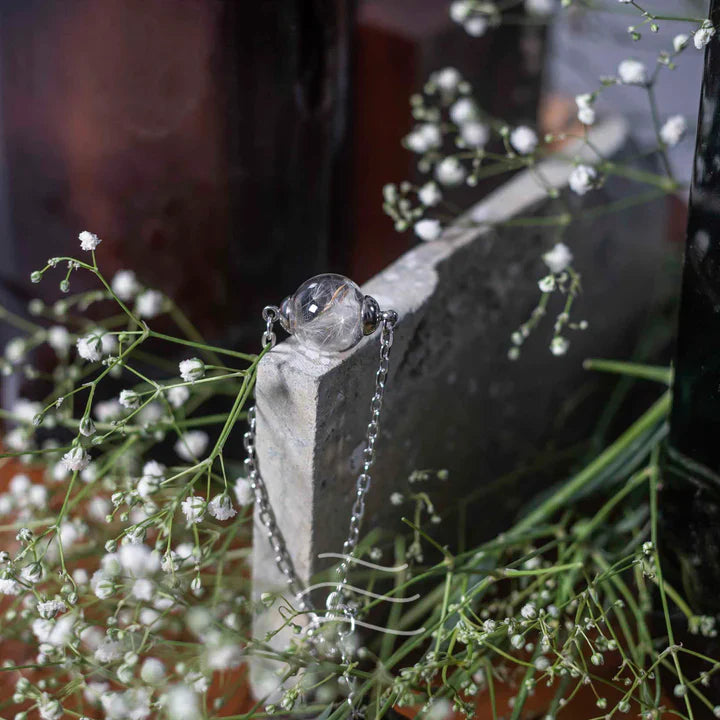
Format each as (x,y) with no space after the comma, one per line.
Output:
(328,313)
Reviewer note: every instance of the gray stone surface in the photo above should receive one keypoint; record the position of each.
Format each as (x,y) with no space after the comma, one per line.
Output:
(453,398)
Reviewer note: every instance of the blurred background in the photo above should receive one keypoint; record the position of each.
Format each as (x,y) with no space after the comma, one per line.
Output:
(226,151)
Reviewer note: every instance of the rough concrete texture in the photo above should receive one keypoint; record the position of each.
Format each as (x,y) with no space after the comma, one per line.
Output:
(453,400)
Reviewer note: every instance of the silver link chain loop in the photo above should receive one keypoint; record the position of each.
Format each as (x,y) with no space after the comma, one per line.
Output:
(283,561)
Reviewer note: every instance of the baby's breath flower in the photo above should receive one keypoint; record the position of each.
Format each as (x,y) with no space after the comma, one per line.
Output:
(192,444)
(76,459)
(87,426)
(582,179)
(524,140)
(680,41)
(88,240)
(129,399)
(192,369)
(423,138)
(220,507)
(559,345)
(138,560)
(586,112)
(463,110)
(152,671)
(181,703)
(397,498)
(632,72)
(32,573)
(450,171)
(673,131)
(50,608)
(8,586)
(475,134)
(193,508)
(125,285)
(58,338)
(546,284)
(429,194)
(428,229)
(149,303)
(703,35)
(558,259)
(244,493)
(178,396)
(447,79)
(529,611)
(48,708)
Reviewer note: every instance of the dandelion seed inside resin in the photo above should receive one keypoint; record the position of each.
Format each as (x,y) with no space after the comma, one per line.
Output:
(326,313)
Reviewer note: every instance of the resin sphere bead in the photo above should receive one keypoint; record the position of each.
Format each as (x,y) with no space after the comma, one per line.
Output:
(328,313)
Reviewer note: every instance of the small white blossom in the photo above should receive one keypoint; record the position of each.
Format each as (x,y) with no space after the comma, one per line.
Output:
(463,111)
(459,10)
(449,171)
(192,369)
(182,703)
(129,399)
(50,608)
(428,229)
(32,573)
(528,611)
(523,139)
(15,351)
(559,258)
(475,134)
(396,498)
(125,285)
(149,303)
(546,284)
(8,586)
(153,473)
(90,348)
(108,410)
(192,444)
(703,35)
(243,492)
(88,240)
(178,396)
(447,79)
(632,72)
(87,426)
(193,508)
(680,41)
(152,671)
(673,131)
(430,194)
(49,709)
(143,589)
(58,338)
(220,507)
(476,26)
(76,459)
(423,138)
(559,345)
(582,179)
(586,112)
(108,651)
(138,560)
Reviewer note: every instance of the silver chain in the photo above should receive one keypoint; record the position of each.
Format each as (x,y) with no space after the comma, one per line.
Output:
(362,485)
(283,561)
